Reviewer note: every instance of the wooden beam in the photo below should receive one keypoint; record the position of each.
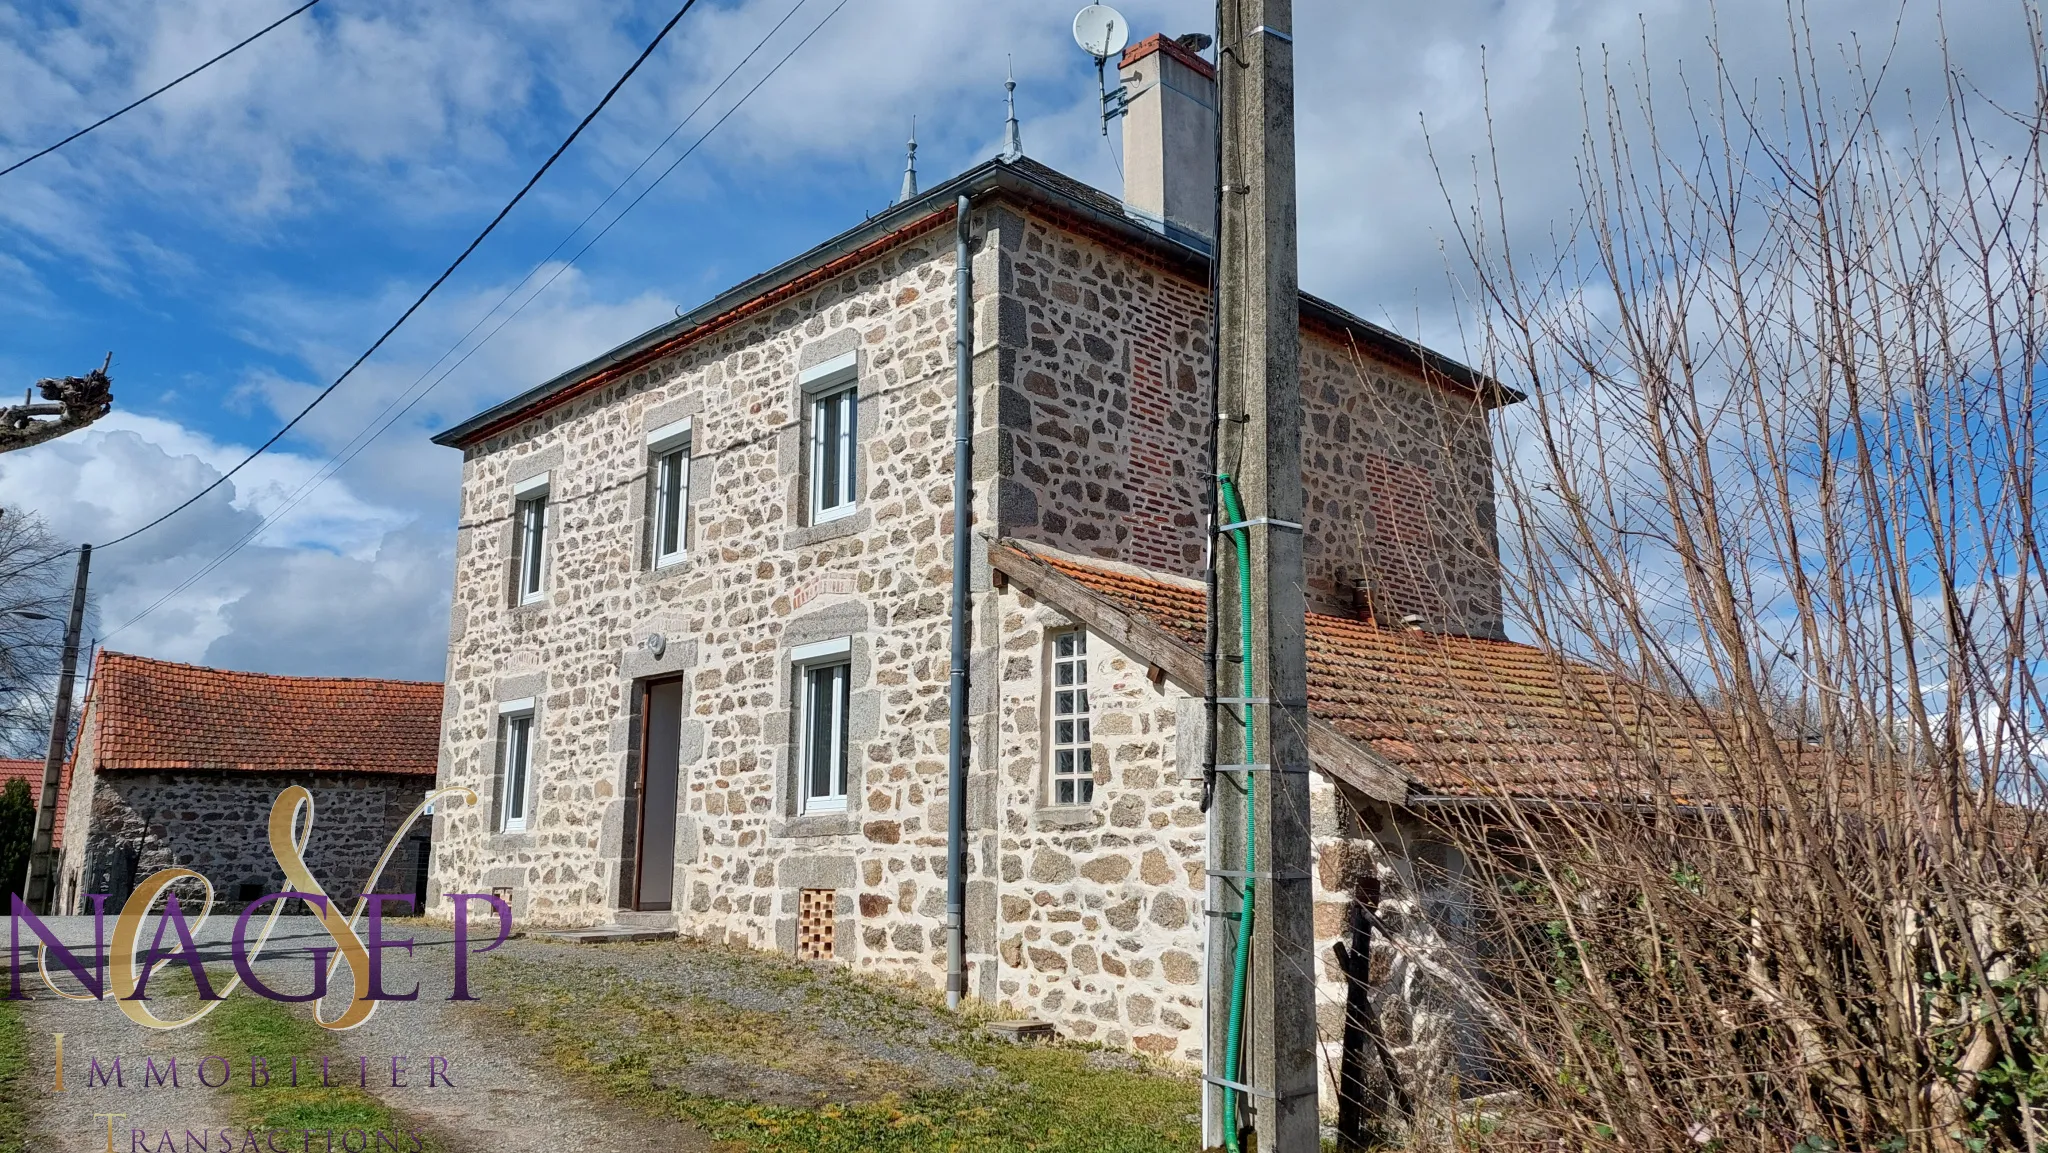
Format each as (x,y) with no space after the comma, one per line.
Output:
(1336,755)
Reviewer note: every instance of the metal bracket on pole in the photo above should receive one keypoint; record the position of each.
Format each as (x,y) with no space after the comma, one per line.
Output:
(1244,1088)
(1262,874)
(1256,521)
(1113,102)
(1262,769)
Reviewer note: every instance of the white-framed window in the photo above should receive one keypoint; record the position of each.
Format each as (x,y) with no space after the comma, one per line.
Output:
(1073,754)
(668,451)
(832,394)
(530,516)
(824,674)
(515,765)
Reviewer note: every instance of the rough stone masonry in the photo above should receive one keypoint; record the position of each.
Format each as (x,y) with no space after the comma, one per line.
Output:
(1090,371)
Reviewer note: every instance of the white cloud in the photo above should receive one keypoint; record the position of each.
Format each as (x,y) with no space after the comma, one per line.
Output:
(374,542)
(306,582)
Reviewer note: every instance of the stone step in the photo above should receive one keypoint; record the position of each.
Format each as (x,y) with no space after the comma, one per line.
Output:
(638,920)
(1021,1032)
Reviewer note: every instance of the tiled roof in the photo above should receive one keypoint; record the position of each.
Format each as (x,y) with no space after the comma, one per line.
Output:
(32,773)
(150,714)
(1457,715)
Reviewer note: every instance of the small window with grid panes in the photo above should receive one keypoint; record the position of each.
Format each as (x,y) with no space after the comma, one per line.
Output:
(1073,757)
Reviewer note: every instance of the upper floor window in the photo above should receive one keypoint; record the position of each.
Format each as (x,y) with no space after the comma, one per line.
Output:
(530,506)
(668,450)
(832,394)
(515,768)
(1073,754)
(823,682)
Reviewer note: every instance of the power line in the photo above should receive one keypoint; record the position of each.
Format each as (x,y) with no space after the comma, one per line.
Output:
(352,449)
(259,34)
(349,451)
(438,281)
(488,229)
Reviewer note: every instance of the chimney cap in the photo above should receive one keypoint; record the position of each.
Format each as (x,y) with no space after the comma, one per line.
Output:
(1170,46)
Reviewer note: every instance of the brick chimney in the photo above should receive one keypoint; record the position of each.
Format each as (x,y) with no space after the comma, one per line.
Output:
(1170,138)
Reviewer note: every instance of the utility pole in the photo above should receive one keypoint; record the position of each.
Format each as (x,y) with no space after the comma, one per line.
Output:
(41,889)
(1261,983)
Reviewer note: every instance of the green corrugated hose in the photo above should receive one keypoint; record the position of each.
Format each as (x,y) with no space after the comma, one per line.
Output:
(1240,538)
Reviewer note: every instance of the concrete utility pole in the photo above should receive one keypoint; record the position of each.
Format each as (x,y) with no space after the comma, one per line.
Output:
(41,890)
(1259,451)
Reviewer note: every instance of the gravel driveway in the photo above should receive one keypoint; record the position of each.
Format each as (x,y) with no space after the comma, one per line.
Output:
(628,1047)
(491,1094)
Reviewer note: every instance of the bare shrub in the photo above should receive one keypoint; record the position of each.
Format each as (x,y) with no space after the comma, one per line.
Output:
(1780,469)
(34,599)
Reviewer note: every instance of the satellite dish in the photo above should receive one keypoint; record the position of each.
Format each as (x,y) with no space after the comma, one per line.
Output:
(1101,31)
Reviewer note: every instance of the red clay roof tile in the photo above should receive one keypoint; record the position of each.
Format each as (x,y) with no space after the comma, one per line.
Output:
(1458,715)
(150,714)
(31,772)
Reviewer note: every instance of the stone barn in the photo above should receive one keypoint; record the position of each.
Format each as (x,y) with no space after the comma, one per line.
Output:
(178,765)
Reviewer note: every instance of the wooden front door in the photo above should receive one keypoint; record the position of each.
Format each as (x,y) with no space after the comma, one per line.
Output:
(655,866)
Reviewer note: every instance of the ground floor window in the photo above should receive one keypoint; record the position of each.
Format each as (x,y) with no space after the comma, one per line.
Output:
(515,779)
(1073,754)
(824,676)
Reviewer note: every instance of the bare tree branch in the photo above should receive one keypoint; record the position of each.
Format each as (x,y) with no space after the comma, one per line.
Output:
(72,402)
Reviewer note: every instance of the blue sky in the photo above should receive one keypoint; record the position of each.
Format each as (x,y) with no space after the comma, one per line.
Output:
(238,241)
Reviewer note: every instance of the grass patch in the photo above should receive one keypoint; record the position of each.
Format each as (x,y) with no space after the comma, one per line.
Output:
(251,1027)
(14,1058)
(720,1068)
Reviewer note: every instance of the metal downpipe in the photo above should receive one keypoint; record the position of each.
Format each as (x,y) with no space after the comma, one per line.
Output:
(963,521)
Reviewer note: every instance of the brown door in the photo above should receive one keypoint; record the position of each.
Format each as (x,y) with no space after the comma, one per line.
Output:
(655,869)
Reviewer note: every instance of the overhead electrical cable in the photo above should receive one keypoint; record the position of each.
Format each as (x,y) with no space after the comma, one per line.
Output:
(375,429)
(124,110)
(350,451)
(324,393)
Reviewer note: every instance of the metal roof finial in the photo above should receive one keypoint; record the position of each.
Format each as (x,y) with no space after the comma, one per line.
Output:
(1013,140)
(909,191)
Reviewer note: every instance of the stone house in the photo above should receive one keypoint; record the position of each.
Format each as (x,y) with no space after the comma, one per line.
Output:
(178,765)
(698,646)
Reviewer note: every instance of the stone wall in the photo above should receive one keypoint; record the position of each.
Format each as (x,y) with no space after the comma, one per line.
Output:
(758,581)
(1104,442)
(1100,904)
(1103,907)
(1419,973)
(216,823)
(77,812)
(1398,492)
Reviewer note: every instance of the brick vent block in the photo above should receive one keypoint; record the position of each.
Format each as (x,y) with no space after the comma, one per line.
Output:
(814,922)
